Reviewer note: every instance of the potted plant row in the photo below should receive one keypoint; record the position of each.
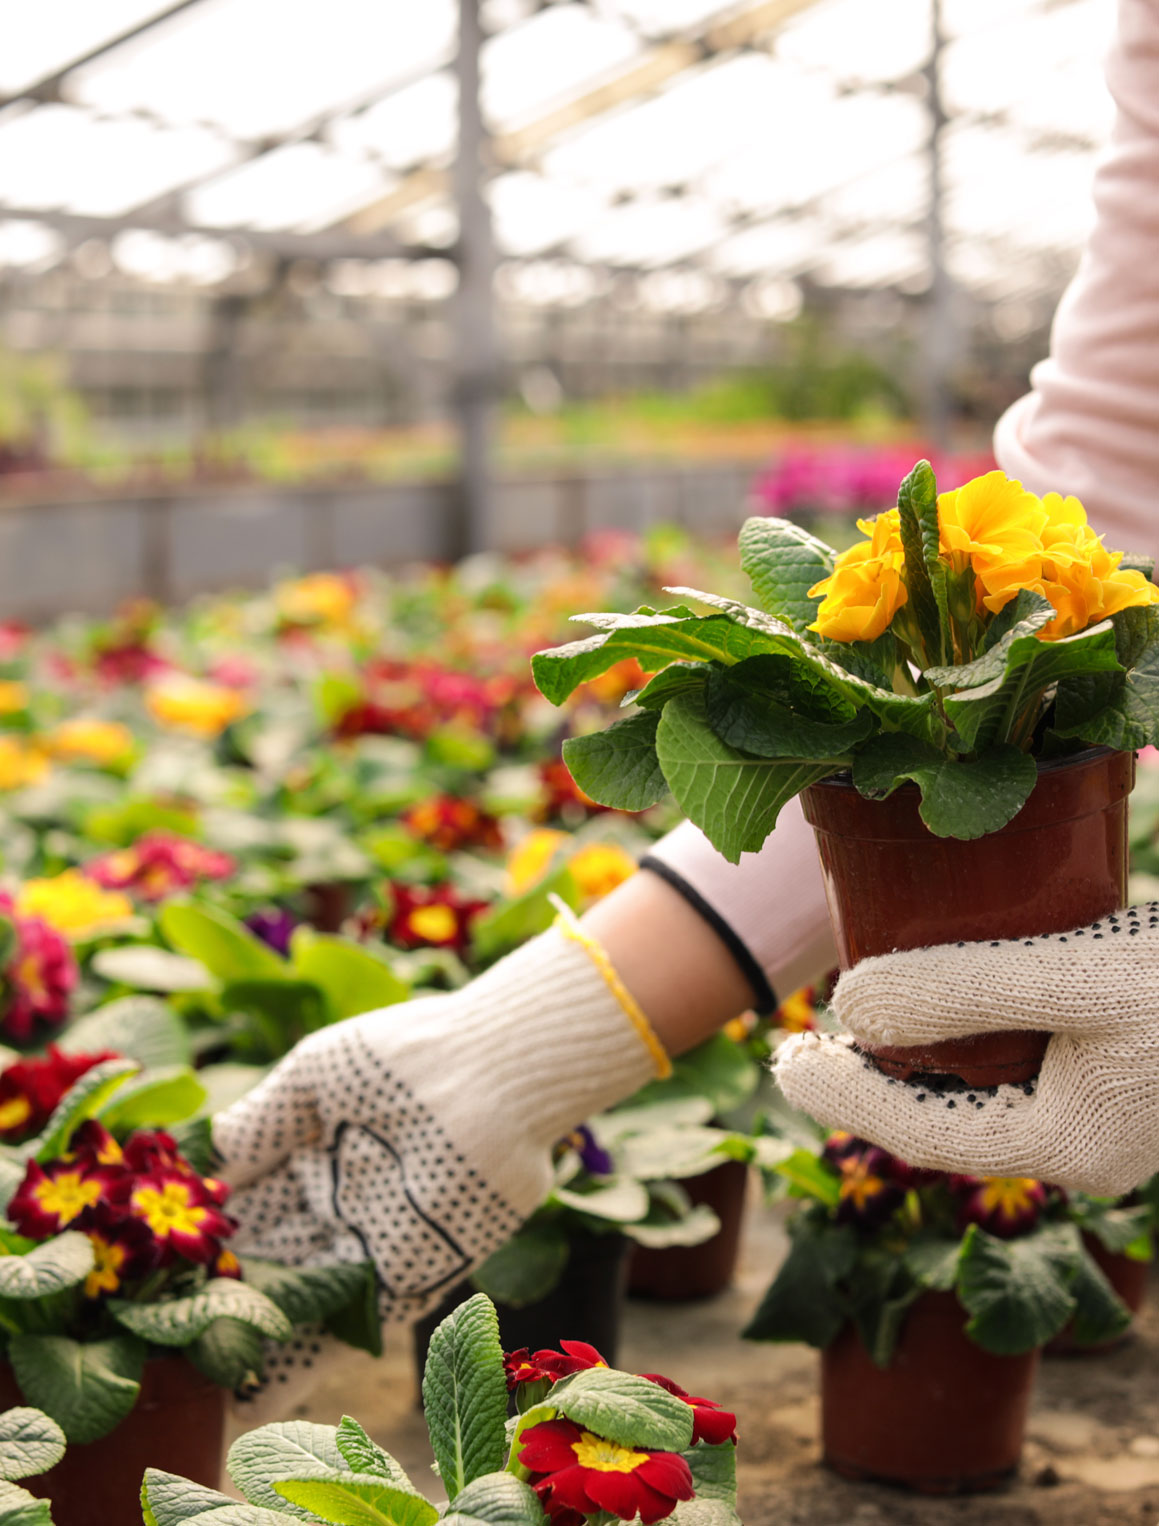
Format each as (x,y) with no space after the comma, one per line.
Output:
(958,698)
(589,1445)
(930,1298)
(125,1315)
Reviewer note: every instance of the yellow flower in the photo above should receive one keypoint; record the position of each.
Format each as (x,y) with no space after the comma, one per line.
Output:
(995,526)
(20,763)
(93,740)
(865,589)
(436,924)
(169,1211)
(321,599)
(1080,577)
(13,696)
(67,1195)
(108,1260)
(600,867)
(73,905)
(531,857)
(194,704)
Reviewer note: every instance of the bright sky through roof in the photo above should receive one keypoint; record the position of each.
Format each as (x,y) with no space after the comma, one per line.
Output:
(803,154)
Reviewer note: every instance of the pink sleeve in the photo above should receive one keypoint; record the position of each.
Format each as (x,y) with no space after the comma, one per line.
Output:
(770,908)
(1090,426)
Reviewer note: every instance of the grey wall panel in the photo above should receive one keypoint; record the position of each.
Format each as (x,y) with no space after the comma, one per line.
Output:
(57,557)
(235,540)
(404,523)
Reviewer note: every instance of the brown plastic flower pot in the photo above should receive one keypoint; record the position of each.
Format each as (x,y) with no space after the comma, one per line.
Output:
(945,1417)
(1128,1277)
(177,1425)
(891,885)
(697,1271)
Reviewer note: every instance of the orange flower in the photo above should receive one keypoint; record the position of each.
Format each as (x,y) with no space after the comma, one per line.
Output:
(865,590)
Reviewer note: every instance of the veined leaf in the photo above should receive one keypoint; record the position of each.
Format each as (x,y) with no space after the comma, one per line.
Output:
(149,968)
(783,562)
(628,1410)
(1018,1293)
(713,1470)
(59,1263)
(154,1100)
(19,1508)
(84,1100)
(362,1455)
(763,706)
(352,979)
(1120,710)
(465,1395)
(229,1353)
(1024,616)
(925,574)
(88,1387)
(358,1502)
(618,767)
(31,1442)
(959,799)
(733,798)
(679,678)
(496,1499)
(527,1267)
(261,1458)
(308,1295)
(804,1302)
(139,1027)
(181,1320)
(167,1500)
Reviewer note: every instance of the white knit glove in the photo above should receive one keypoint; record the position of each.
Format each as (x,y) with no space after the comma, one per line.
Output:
(419,1137)
(1090,1122)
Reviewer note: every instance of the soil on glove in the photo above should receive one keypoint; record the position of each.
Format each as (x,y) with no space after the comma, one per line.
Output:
(1092,1458)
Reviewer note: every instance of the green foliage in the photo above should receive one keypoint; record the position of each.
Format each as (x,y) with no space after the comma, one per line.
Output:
(84,1100)
(527,1267)
(58,1264)
(358,1502)
(959,798)
(805,1301)
(86,1387)
(1018,1293)
(227,949)
(465,1395)
(626,1409)
(783,562)
(31,1442)
(19,1508)
(619,766)
(178,1321)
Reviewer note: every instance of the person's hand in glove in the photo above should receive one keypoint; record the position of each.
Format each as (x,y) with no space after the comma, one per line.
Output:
(1091,1120)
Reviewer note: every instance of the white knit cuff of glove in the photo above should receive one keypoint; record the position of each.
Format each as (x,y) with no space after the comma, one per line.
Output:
(769,909)
(1091,1120)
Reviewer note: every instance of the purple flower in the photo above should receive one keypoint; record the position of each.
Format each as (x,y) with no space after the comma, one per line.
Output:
(274,928)
(596,1160)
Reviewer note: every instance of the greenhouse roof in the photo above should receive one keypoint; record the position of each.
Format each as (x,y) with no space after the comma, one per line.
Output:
(763,141)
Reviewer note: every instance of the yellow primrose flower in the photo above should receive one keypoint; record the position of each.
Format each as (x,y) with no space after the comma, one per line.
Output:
(194,704)
(598,868)
(865,590)
(13,696)
(323,598)
(995,526)
(530,858)
(20,763)
(1080,577)
(73,905)
(92,740)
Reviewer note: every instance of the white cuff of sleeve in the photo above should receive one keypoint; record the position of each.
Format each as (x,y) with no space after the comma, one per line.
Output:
(769,909)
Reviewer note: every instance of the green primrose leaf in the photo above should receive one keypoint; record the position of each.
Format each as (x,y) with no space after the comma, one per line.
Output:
(261,1458)
(713,1470)
(178,1321)
(225,946)
(148,968)
(156,1100)
(509,924)
(628,1410)
(229,1353)
(780,707)
(810,1177)
(805,1302)
(527,1267)
(680,678)
(83,1101)
(465,1395)
(167,1500)
(358,1502)
(618,767)
(783,562)
(31,1442)
(959,799)
(19,1508)
(362,1455)
(87,1387)
(1100,1314)
(351,978)
(933,1262)
(139,1027)
(734,799)
(60,1263)
(1018,1293)
(496,1499)
(309,1295)
(1119,710)
(1024,616)
(925,574)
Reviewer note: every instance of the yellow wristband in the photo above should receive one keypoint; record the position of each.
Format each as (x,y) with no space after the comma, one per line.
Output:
(569,926)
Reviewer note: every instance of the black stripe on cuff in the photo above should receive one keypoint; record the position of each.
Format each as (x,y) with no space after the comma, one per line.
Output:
(764,998)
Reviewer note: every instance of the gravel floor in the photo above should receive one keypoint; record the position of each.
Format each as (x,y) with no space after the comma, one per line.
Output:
(1092,1458)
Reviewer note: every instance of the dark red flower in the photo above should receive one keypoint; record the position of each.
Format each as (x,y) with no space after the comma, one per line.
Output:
(39,978)
(521,1367)
(431,917)
(574,1356)
(61,1195)
(122,1250)
(575,1470)
(868,1193)
(710,1423)
(92,1145)
(449,823)
(1006,1206)
(31,1090)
